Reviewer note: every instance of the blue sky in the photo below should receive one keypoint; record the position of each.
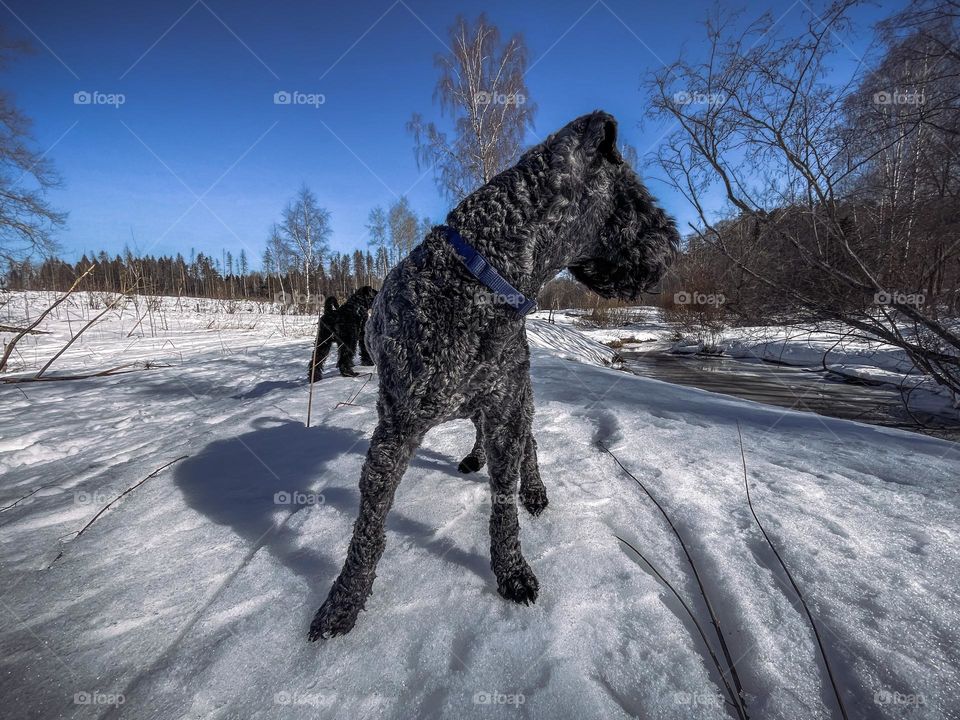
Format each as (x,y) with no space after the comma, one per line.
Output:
(199,156)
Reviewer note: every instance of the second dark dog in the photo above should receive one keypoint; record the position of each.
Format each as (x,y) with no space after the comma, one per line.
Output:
(343,325)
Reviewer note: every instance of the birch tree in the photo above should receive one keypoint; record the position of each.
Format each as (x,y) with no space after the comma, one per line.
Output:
(306,230)
(483,92)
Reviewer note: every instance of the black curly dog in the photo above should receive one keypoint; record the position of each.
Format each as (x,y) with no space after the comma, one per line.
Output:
(344,325)
(447,348)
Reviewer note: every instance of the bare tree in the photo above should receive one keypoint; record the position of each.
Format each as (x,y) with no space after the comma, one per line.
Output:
(27,220)
(483,90)
(359,269)
(426,225)
(382,262)
(306,229)
(377,226)
(403,229)
(277,257)
(826,186)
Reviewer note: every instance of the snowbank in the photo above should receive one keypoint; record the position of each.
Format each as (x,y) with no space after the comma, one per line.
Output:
(564,341)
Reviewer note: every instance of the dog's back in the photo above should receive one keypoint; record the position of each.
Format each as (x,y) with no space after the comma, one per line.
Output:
(432,319)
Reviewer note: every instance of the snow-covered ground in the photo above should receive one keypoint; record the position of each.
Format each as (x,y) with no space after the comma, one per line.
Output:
(191,597)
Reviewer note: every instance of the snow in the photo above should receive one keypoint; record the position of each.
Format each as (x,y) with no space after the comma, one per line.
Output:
(191,597)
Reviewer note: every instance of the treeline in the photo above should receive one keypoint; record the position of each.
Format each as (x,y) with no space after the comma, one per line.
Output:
(297,265)
(202,275)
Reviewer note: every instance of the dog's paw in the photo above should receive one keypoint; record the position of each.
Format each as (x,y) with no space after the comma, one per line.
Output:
(534,499)
(348,372)
(519,585)
(332,620)
(471,463)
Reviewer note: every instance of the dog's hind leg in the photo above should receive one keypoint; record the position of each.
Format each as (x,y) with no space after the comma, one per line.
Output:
(504,441)
(390,449)
(533,494)
(477,457)
(320,352)
(347,336)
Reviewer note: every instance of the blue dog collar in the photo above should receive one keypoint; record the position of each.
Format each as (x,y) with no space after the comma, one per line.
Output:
(484,272)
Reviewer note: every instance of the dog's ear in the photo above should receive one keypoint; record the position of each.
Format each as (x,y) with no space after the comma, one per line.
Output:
(608,146)
(601,132)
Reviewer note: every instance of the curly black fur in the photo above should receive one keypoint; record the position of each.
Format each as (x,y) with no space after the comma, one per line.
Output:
(444,350)
(344,325)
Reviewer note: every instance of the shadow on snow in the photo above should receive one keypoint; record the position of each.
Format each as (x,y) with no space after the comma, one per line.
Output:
(246,483)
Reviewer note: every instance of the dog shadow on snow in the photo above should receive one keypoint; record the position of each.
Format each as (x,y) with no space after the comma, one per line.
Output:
(250,483)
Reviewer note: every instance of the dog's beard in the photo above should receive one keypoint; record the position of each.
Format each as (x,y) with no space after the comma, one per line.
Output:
(612,280)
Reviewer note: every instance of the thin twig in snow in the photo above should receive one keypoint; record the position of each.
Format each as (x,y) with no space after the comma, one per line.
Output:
(28,331)
(29,494)
(703,591)
(125,492)
(796,588)
(119,370)
(313,372)
(368,376)
(81,331)
(703,635)
(12,344)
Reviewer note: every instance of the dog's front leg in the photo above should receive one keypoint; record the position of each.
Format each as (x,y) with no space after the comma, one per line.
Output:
(387,458)
(504,444)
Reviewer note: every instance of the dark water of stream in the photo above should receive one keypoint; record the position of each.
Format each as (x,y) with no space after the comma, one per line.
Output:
(807,389)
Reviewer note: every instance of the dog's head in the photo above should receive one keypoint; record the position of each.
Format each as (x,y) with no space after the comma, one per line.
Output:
(632,247)
(364,296)
(572,202)
(626,241)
